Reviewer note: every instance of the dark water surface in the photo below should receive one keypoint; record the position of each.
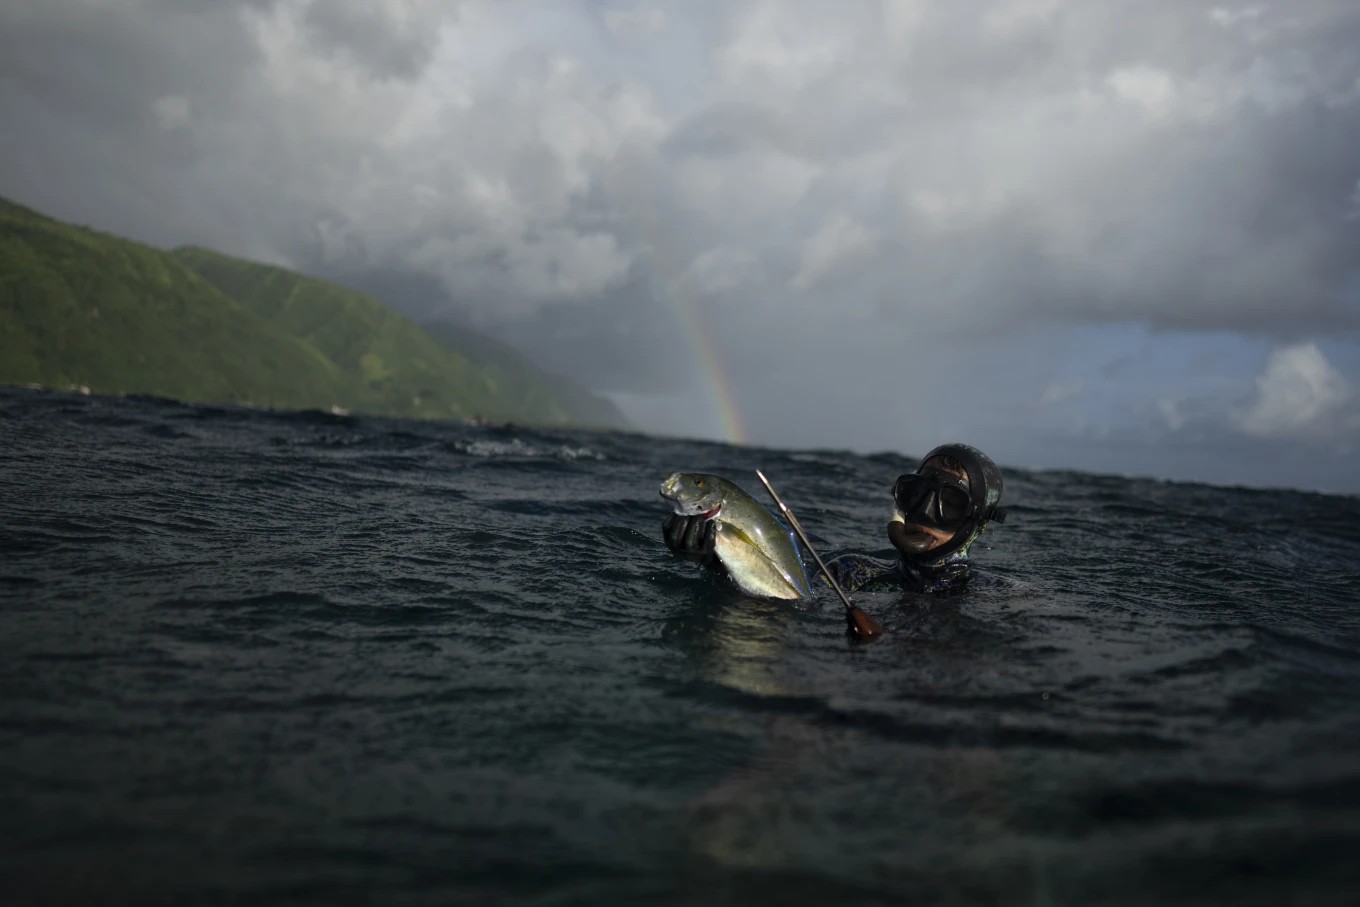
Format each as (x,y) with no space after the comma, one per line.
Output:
(296,658)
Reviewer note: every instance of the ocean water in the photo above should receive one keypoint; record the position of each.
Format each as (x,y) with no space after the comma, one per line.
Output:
(269,658)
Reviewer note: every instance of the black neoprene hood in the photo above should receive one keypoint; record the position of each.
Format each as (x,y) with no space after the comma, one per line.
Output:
(984,487)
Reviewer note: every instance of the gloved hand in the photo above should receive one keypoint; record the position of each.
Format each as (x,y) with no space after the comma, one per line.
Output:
(691,537)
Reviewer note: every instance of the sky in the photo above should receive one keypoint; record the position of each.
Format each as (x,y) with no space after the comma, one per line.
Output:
(1120,237)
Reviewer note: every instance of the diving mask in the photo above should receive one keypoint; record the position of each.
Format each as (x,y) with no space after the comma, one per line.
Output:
(934,499)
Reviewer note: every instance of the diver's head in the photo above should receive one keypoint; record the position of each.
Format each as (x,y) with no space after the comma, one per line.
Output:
(942,507)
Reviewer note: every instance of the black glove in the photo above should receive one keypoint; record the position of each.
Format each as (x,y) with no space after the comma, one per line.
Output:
(691,537)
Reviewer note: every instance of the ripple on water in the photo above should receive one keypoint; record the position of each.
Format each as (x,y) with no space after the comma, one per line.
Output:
(267,656)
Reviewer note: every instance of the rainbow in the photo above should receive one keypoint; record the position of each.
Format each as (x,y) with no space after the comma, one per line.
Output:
(724,402)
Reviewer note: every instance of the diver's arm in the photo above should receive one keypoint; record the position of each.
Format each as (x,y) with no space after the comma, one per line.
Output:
(691,537)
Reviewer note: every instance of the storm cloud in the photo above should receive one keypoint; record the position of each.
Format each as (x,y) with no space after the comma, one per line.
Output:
(1107,235)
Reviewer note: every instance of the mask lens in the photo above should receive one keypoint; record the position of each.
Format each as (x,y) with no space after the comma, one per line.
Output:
(954,505)
(911,495)
(933,500)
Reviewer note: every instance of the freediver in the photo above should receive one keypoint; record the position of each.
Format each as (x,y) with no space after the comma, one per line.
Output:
(938,512)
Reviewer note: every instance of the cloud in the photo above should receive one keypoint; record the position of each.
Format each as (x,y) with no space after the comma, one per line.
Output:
(839,243)
(637,22)
(1060,391)
(768,47)
(393,38)
(1228,17)
(1170,410)
(172,111)
(884,192)
(1147,87)
(1298,393)
(718,271)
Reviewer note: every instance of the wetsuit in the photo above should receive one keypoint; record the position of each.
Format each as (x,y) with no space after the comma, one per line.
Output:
(859,572)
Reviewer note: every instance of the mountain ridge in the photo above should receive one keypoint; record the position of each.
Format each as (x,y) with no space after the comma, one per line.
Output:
(82,307)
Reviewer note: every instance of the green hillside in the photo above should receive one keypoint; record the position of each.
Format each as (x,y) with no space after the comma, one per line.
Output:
(81,308)
(78,307)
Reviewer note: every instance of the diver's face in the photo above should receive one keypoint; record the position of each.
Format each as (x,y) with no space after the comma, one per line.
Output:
(918,538)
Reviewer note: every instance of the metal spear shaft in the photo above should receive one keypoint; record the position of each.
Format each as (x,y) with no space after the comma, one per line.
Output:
(861,625)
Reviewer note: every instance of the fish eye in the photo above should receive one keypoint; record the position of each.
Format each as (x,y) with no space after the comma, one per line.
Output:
(698,483)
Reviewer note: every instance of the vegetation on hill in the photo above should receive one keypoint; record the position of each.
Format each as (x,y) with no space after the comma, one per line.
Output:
(79,307)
